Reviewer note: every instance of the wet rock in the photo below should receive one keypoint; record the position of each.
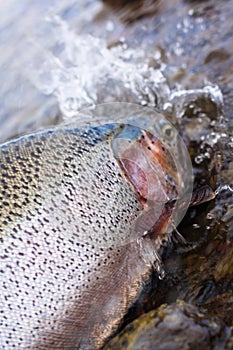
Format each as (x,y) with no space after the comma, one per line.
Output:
(224,267)
(176,326)
(217,55)
(118,3)
(221,306)
(131,10)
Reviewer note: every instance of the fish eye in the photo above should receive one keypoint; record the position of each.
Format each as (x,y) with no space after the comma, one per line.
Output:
(167,131)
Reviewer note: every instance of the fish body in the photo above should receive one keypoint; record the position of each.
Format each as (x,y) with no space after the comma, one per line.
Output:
(72,256)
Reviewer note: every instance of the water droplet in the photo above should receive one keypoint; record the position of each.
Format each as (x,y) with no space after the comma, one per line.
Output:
(199,159)
(210,216)
(196,226)
(161,273)
(109,26)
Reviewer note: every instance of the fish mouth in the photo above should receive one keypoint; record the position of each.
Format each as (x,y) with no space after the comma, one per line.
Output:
(148,166)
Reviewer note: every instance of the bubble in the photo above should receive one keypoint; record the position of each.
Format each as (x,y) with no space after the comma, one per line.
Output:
(154,159)
(199,159)
(210,93)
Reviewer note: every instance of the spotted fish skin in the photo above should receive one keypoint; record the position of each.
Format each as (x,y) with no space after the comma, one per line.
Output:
(70,261)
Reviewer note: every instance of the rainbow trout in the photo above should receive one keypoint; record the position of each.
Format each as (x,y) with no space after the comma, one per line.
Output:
(77,234)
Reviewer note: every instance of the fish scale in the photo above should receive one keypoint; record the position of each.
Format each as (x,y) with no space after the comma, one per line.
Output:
(57,249)
(73,257)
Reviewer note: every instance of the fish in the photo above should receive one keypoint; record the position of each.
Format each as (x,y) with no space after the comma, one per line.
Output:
(83,214)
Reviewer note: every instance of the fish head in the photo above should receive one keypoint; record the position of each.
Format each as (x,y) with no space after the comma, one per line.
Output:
(149,159)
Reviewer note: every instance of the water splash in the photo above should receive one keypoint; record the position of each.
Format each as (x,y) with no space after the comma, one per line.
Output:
(180,98)
(81,71)
(222,188)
